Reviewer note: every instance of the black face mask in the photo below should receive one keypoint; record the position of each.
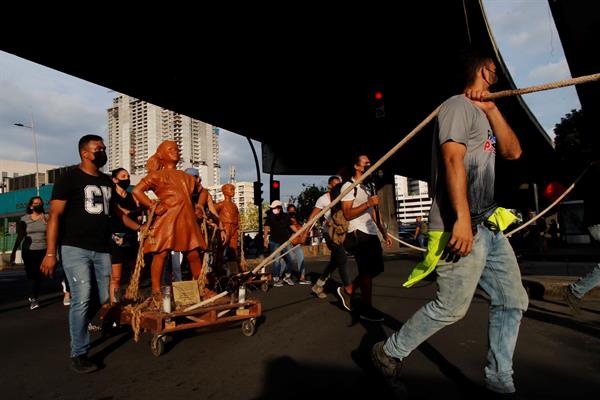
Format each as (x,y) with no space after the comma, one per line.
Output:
(38,209)
(99,158)
(124,183)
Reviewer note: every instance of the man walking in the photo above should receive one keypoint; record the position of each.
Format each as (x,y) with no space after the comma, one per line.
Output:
(469,131)
(80,211)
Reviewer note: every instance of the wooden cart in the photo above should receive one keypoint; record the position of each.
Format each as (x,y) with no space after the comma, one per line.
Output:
(161,324)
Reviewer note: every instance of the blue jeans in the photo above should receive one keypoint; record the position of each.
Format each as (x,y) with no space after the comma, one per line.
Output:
(81,266)
(592,279)
(491,264)
(298,255)
(277,265)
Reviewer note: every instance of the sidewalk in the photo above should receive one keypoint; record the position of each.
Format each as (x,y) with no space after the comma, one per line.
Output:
(545,274)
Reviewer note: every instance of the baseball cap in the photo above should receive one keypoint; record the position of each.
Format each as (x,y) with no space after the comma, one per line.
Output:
(192,171)
(276,203)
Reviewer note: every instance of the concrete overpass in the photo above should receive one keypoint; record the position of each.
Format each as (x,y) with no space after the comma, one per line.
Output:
(299,81)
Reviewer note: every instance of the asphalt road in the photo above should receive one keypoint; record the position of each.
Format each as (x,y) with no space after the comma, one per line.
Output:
(304,348)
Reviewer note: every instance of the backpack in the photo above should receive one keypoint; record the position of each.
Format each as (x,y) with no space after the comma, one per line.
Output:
(338,227)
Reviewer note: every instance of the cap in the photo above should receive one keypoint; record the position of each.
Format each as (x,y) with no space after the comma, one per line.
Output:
(192,171)
(276,203)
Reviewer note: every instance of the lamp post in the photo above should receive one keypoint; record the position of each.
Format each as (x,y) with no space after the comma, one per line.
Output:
(35,152)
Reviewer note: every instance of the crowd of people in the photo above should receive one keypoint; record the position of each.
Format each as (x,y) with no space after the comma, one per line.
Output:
(94,222)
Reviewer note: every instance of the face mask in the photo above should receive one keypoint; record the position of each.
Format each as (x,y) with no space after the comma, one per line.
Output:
(99,158)
(276,211)
(124,183)
(38,209)
(292,213)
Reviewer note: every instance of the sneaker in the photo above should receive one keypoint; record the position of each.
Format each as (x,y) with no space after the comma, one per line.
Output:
(571,300)
(288,280)
(304,282)
(82,365)
(277,282)
(388,366)
(33,303)
(319,291)
(371,314)
(94,327)
(345,297)
(66,301)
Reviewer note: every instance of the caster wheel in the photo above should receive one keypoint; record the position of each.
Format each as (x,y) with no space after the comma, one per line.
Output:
(157,345)
(249,327)
(264,286)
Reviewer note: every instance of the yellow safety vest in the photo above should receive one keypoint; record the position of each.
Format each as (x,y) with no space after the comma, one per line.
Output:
(500,219)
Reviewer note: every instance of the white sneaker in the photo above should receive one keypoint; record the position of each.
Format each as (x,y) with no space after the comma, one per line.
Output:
(33,303)
(277,282)
(288,280)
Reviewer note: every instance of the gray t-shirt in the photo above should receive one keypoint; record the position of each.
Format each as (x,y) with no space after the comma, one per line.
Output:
(463,122)
(35,233)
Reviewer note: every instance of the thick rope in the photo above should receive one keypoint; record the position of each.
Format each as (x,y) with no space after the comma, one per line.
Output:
(417,129)
(555,202)
(132,292)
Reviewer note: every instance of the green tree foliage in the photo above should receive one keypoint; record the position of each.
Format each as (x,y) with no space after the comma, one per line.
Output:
(305,202)
(249,217)
(572,147)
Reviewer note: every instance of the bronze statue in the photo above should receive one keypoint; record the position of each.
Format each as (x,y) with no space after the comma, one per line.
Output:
(229,217)
(175,227)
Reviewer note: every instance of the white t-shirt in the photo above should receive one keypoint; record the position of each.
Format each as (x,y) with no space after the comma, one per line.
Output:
(364,222)
(321,203)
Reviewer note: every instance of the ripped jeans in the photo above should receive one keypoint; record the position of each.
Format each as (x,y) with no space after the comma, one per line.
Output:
(81,266)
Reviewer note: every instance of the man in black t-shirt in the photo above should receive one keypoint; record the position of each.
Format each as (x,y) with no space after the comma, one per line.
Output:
(80,211)
(277,232)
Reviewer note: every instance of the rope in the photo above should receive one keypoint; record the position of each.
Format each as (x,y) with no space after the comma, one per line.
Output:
(132,292)
(417,129)
(555,202)
(136,317)
(546,86)
(407,244)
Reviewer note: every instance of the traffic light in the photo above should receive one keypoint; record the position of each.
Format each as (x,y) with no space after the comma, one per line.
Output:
(258,193)
(379,105)
(275,190)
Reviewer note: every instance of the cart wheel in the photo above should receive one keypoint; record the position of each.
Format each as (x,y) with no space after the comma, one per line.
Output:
(157,345)
(249,327)
(264,286)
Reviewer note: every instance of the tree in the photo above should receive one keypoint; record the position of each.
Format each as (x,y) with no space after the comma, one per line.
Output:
(573,148)
(305,202)
(249,217)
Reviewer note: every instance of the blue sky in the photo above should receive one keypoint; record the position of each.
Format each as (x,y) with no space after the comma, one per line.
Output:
(65,107)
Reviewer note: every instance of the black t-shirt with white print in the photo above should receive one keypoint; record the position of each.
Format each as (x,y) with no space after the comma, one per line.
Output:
(86,219)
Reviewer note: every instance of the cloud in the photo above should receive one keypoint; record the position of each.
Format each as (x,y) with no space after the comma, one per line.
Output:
(63,108)
(550,72)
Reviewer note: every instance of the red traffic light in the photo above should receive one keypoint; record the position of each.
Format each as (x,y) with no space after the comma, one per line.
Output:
(276,184)
(378,95)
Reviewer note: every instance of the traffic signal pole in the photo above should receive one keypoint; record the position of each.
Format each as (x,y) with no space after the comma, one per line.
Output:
(260,221)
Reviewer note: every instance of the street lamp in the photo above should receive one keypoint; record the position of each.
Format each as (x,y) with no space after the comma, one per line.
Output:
(37,168)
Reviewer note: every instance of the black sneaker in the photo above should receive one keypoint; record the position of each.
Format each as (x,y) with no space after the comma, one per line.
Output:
(571,300)
(370,314)
(82,365)
(345,297)
(388,366)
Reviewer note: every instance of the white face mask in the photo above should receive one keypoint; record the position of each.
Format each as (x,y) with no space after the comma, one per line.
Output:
(276,211)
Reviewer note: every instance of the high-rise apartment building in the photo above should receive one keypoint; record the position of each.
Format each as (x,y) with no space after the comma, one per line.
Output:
(412,199)
(136,128)
(244,194)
